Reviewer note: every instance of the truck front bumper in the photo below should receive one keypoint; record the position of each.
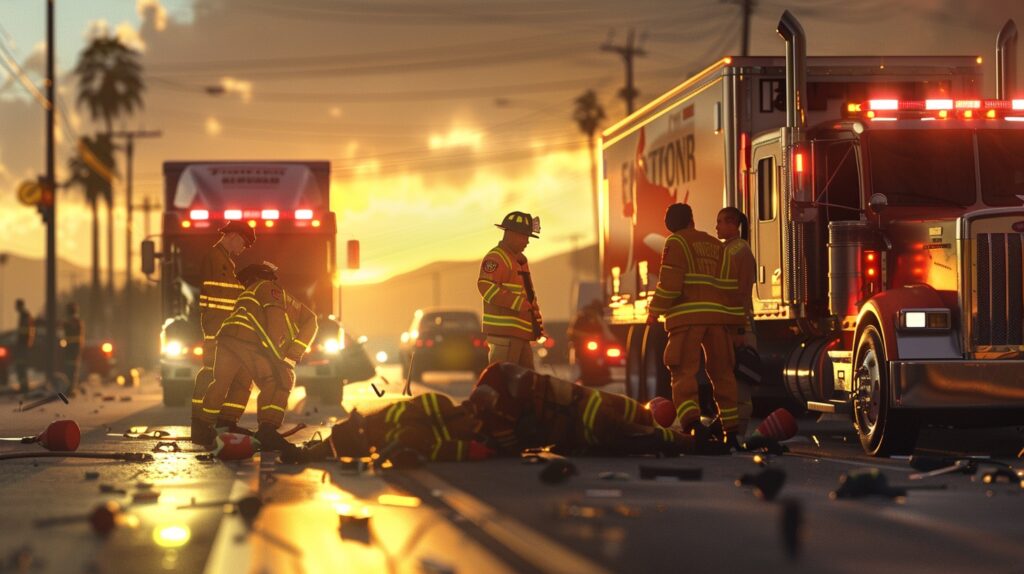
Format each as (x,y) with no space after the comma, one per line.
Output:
(992,384)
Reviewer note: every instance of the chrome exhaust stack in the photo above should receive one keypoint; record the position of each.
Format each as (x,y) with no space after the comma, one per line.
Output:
(795,198)
(796,70)
(1006,61)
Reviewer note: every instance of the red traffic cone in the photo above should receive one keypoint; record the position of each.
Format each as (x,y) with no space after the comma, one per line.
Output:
(233,446)
(778,426)
(662,411)
(63,436)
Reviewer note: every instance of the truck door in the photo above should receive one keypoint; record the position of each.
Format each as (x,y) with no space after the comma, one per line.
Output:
(767,229)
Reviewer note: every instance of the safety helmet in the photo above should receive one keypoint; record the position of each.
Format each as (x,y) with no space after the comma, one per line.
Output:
(251,273)
(521,222)
(248,233)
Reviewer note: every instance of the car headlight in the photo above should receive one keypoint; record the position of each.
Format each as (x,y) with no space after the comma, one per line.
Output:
(925,319)
(332,346)
(174,349)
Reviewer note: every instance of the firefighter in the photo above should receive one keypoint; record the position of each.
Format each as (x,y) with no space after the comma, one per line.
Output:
(521,408)
(260,342)
(217,295)
(696,294)
(512,318)
(730,220)
(73,339)
(23,344)
(429,425)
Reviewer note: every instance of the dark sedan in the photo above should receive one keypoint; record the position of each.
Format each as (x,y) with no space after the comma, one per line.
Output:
(443,340)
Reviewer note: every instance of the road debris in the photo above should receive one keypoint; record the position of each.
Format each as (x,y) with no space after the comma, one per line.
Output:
(91,475)
(145,496)
(871,481)
(43,401)
(60,436)
(103,519)
(962,466)
(766,483)
(611,475)
(166,447)
(792,527)
(648,472)
(602,493)
(22,559)
(557,471)
(111,489)
(1006,475)
(123,456)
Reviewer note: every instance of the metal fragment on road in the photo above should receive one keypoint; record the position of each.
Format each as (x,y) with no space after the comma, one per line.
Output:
(648,472)
(612,475)
(792,527)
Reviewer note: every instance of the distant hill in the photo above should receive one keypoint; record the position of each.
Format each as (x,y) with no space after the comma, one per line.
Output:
(382,311)
(25,278)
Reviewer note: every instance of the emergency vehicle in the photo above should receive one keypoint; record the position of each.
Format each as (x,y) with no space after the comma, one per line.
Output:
(885,197)
(287,203)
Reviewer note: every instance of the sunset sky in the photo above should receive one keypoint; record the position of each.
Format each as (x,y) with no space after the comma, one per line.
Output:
(438,116)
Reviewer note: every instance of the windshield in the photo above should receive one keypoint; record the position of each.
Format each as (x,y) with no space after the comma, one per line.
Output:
(1002,166)
(923,167)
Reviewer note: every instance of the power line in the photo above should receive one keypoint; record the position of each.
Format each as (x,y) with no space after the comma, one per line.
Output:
(628,51)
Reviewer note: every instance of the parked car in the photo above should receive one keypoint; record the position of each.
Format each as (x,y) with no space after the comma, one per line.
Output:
(443,340)
(97,355)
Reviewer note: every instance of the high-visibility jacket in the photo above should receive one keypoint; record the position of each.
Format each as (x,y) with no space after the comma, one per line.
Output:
(218,291)
(503,288)
(266,314)
(745,267)
(430,424)
(697,283)
(26,330)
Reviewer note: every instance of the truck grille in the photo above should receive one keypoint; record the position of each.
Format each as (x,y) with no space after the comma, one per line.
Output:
(998,318)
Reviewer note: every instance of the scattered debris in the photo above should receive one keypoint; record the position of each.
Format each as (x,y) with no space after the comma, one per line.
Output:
(962,466)
(871,481)
(817,442)
(166,447)
(577,509)
(792,527)
(125,399)
(60,436)
(1002,475)
(145,496)
(43,401)
(124,456)
(765,445)
(355,528)
(648,472)
(103,519)
(557,471)
(22,559)
(766,483)
(111,489)
(109,398)
(612,475)
(91,475)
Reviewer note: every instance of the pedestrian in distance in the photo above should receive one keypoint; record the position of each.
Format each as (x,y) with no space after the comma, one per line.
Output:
(512,318)
(217,295)
(23,344)
(696,295)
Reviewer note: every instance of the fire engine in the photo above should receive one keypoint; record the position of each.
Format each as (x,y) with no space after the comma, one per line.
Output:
(287,203)
(885,198)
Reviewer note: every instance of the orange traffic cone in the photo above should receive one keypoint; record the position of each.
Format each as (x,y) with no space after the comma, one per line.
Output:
(662,411)
(778,426)
(63,435)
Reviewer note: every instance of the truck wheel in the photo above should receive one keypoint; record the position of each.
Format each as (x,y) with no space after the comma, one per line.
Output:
(655,376)
(634,364)
(177,393)
(808,374)
(883,430)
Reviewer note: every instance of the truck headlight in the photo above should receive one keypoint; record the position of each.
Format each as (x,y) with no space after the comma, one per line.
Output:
(332,346)
(925,320)
(174,349)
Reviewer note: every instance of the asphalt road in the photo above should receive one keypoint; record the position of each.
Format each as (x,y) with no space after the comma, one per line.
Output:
(494,516)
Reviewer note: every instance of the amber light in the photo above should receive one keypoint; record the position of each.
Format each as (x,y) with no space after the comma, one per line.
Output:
(186,224)
(614,352)
(591,345)
(107,348)
(197,351)
(315,223)
(269,223)
(252,223)
(798,160)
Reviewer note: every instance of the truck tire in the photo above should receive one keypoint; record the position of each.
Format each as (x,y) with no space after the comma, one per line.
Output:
(177,393)
(655,375)
(634,363)
(808,373)
(883,430)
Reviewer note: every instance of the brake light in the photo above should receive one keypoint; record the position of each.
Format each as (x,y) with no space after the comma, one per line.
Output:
(872,275)
(197,350)
(233,214)
(613,352)
(429,343)
(419,343)
(3,352)
(270,214)
(592,346)
(107,348)
(798,162)
(478,342)
(199,214)
(303,214)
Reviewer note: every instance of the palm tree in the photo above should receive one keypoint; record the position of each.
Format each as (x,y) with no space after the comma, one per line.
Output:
(589,114)
(110,85)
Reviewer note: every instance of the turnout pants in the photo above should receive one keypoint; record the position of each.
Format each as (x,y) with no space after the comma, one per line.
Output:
(622,426)
(204,377)
(242,363)
(682,357)
(509,350)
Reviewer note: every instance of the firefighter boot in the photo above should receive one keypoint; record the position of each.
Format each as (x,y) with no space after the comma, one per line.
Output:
(271,440)
(203,433)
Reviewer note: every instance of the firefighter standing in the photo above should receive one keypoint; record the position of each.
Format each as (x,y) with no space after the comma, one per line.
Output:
(217,296)
(512,316)
(23,344)
(260,342)
(730,220)
(695,292)
(521,408)
(73,338)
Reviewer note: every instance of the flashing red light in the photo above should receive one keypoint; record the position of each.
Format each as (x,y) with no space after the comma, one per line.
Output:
(303,214)
(869,256)
(798,161)
(315,223)
(968,114)
(871,272)
(419,342)
(252,223)
(967,104)
(270,214)
(429,343)
(591,346)
(938,104)
(888,105)
(233,214)
(917,271)
(478,342)
(186,224)
(199,214)
(107,348)
(613,352)
(3,352)
(1017,104)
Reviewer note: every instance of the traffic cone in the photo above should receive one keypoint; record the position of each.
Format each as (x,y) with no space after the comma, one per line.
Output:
(62,435)
(778,426)
(662,411)
(234,446)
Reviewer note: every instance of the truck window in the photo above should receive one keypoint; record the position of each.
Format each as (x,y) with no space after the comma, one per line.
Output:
(766,189)
(1001,155)
(837,179)
(922,167)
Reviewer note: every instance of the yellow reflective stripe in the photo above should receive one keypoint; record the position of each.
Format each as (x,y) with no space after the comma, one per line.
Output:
(698,279)
(292,330)
(246,297)
(209,337)
(394,412)
(440,417)
(660,292)
(517,302)
(303,345)
(460,446)
(239,323)
(506,320)
(684,408)
(216,306)
(501,253)
(729,415)
(667,436)
(437,444)
(686,249)
(228,300)
(630,410)
(234,405)
(267,342)
(513,287)
(491,292)
(589,414)
(197,401)
(275,407)
(211,411)
(706,307)
(222,284)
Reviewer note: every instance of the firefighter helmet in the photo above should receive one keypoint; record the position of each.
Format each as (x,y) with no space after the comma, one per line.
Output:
(248,233)
(521,222)
(251,273)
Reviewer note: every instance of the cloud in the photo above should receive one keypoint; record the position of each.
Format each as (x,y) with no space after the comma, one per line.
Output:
(457,137)
(213,126)
(152,11)
(125,32)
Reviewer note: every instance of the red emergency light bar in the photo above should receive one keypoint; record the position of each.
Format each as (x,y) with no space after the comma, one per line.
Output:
(942,107)
(201,218)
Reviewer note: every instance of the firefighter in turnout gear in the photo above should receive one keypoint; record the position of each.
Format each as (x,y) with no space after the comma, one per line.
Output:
(217,295)
(23,344)
(696,293)
(429,425)
(521,408)
(260,342)
(73,339)
(512,316)
(730,220)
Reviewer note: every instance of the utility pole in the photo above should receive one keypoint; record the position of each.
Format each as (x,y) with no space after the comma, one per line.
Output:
(628,52)
(747,10)
(147,206)
(49,203)
(130,136)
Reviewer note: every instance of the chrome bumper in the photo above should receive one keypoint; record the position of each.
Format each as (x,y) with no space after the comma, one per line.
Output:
(957,384)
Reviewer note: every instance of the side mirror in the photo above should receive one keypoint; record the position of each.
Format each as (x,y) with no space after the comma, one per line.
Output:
(149,256)
(878,202)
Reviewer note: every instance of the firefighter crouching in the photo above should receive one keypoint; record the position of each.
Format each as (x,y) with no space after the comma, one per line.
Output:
(428,427)
(521,408)
(511,313)
(217,296)
(695,292)
(744,266)
(260,342)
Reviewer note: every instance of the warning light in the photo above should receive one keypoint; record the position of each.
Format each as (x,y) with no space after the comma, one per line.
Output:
(943,114)
(107,348)
(186,224)
(269,223)
(613,352)
(270,214)
(315,223)
(990,114)
(871,271)
(232,214)
(199,214)
(798,160)
(252,223)
(870,256)
(591,345)
(727,60)
(968,114)
(303,214)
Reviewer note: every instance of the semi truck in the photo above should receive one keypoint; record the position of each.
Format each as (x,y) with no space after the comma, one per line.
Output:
(287,203)
(885,199)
